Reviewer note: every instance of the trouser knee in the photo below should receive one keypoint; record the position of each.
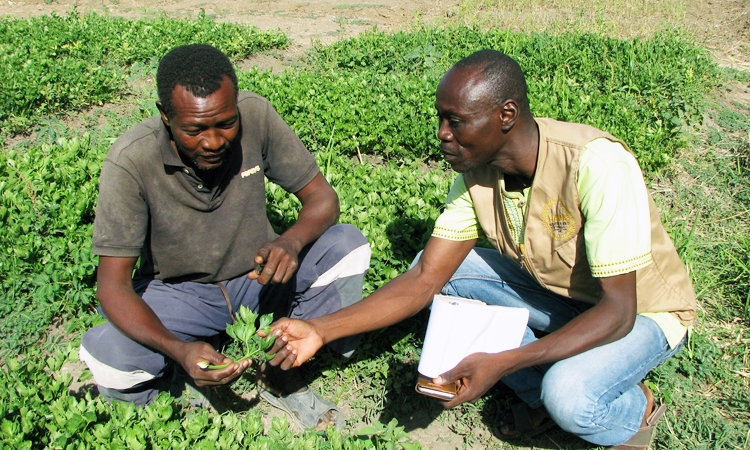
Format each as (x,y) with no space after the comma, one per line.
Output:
(567,402)
(338,259)
(123,369)
(343,256)
(342,239)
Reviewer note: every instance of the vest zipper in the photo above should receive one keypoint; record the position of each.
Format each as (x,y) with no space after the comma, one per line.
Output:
(526,265)
(522,252)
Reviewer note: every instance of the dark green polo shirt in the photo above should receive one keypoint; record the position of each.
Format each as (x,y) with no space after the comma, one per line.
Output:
(154,207)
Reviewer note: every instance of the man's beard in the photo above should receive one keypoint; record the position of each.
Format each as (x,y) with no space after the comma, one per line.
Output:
(208,170)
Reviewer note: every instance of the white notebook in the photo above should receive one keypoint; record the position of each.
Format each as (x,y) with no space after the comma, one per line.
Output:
(459,327)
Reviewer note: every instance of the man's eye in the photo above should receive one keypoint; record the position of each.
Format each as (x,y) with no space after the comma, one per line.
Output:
(192,132)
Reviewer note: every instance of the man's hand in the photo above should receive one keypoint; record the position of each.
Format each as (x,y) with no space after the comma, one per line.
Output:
(197,352)
(296,342)
(278,260)
(320,210)
(474,376)
(607,321)
(134,318)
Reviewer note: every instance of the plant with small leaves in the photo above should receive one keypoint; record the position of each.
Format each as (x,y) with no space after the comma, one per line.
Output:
(244,331)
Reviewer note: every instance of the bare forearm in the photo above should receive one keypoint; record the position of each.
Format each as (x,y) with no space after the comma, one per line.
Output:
(607,321)
(313,222)
(320,210)
(591,329)
(127,311)
(400,299)
(134,318)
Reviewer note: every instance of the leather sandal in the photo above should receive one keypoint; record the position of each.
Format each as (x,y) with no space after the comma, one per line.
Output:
(641,440)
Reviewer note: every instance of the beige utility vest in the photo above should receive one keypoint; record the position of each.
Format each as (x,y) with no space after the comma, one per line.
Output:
(553,248)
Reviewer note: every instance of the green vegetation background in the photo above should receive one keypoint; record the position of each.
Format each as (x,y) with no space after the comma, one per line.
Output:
(364,106)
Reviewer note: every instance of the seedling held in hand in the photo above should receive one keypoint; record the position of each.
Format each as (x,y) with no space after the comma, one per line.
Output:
(244,331)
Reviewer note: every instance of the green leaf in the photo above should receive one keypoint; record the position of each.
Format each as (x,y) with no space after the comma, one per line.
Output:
(367,430)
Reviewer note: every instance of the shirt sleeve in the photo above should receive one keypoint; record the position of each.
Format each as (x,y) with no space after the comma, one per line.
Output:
(614,202)
(287,162)
(121,220)
(459,221)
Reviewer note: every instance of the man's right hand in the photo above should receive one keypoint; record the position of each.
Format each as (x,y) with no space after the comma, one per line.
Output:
(196,352)
(127,311)
(296,342)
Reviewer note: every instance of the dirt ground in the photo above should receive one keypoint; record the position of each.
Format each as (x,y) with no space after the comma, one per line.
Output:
(723,26)
(302,21)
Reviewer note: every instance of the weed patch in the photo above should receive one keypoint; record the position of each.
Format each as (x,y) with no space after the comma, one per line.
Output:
(375,93)
(50,64)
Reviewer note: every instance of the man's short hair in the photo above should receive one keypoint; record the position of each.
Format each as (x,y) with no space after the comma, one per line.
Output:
(199,68)
(503,76)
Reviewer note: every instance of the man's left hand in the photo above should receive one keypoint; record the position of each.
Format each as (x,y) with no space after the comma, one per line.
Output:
(474,376)
(278,261)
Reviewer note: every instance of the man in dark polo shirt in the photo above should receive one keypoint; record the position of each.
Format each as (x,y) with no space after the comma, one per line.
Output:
(184,192)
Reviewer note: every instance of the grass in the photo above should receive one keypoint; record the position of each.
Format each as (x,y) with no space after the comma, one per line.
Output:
(705,201)
(702,190)
(621,18)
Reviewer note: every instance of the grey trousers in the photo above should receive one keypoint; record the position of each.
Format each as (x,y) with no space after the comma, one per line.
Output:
(329,277)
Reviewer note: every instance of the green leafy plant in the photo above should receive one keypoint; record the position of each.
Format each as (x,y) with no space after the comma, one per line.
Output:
(244,331)
(645,91)
(53,63)
(390,435)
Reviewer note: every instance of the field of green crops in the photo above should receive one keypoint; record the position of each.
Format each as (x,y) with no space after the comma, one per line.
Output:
(365,107)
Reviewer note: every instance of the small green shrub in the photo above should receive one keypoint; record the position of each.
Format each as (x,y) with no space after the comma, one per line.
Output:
(47,197)
(50,63)
(375,93)
(37,411)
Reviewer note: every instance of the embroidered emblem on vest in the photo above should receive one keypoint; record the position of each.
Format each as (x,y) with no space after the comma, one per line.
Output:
(557,220)
(249,172)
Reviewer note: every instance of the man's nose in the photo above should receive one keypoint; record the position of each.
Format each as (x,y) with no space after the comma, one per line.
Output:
(444,131)
(212,140)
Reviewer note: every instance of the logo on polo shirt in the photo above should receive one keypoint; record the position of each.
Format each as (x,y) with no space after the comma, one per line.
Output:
(249,172)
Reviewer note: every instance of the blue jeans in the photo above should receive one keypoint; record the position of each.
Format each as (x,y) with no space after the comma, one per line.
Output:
(593,395)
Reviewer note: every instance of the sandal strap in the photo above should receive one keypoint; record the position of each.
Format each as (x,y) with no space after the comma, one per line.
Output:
(522,418)
(642,438)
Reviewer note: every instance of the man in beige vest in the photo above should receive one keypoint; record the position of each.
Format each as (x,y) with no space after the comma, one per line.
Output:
(577,241)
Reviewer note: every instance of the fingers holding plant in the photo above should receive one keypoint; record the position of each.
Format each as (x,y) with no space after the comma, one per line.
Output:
(252,346)
(196,354)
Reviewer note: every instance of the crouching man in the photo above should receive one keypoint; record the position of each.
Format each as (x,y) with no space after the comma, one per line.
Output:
(183,194)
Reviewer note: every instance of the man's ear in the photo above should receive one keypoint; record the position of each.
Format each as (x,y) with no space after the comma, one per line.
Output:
(509,112)
(164,117)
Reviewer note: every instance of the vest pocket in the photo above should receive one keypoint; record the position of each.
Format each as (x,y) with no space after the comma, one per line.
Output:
(567,252)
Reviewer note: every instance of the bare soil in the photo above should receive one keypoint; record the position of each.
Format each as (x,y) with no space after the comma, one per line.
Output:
(722,26)
(303,22)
